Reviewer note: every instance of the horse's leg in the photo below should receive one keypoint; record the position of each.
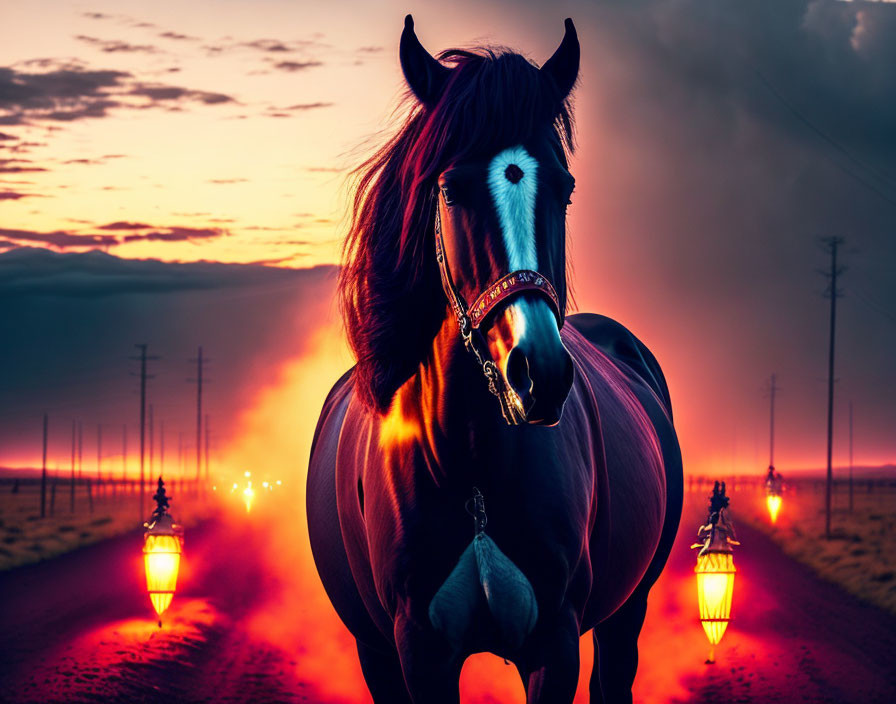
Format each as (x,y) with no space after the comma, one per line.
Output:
(616,652)
(431,672)
(551,672)
(382,672)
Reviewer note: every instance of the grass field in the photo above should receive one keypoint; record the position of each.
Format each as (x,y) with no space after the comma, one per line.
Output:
(25,537)
(861,552)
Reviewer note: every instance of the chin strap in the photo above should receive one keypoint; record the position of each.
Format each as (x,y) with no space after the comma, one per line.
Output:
(468,321)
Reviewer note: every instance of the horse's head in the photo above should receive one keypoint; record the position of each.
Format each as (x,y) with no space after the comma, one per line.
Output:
(501,214)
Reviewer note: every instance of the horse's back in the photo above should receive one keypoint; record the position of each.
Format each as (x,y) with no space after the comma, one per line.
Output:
(611,355)
(619,344)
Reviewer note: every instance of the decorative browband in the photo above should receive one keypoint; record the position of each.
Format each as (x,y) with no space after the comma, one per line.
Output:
(509,285)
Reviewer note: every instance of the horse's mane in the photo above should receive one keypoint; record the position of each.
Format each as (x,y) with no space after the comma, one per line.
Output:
(391,295)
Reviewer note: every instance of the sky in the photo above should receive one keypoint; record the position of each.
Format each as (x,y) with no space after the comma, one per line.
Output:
(718,142)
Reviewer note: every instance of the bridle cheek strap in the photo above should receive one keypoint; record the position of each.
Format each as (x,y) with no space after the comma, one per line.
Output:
(469,320)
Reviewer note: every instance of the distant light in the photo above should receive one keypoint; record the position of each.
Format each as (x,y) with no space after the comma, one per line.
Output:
(279,482)
(247,474)
(773,501)
(264,484)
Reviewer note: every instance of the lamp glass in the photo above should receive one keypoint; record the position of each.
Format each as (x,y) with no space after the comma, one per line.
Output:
(715,586)
(161,556)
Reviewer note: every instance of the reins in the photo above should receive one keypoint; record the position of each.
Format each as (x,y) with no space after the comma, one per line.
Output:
(469,318)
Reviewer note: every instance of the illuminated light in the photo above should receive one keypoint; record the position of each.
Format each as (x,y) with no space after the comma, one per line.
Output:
(235,487)
(715,570)
(162,549)
(773,501)
(264,484)
(247,474)
(214,488)
(248,496)
(715,587)
(279,482)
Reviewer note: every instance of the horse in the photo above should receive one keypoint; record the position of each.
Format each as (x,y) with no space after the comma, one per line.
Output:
(491,475)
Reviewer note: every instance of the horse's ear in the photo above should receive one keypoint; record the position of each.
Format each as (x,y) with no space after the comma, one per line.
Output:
(563,67)
(425,76)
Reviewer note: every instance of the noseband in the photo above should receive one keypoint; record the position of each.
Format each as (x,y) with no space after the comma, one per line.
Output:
(469,318)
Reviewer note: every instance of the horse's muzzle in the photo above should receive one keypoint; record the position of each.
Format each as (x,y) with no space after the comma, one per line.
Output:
(542,384)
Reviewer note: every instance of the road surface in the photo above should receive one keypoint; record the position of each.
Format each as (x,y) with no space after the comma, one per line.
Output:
(250,624)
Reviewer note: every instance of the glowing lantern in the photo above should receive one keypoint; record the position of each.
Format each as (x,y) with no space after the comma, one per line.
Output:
(773,501)
(773,488)
(715,570)
(163,544)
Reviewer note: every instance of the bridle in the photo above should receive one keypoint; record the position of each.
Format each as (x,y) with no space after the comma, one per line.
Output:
(469,318)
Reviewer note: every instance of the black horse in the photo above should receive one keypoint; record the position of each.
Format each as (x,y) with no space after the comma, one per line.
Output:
(474,395)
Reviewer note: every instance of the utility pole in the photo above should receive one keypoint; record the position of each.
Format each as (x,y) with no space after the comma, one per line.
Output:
(124,457)
(151,444)
(72,491)
(831,244)
(180,457)
(80,451)
(206,449)
(143,358)
(162,449)
(773,388)
(199,367)
(43,475)
(99,453)
(850,456)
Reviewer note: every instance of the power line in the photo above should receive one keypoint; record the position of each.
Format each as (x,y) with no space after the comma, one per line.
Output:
(831,142)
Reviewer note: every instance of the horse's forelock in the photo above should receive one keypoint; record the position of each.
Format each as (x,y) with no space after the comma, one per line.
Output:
(392,301)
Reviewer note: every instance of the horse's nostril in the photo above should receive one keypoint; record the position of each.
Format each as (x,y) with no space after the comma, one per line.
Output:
(518,373)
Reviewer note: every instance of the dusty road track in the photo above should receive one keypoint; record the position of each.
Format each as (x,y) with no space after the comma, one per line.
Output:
(78,629)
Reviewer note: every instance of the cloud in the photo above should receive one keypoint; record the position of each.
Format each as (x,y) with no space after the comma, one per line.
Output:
(7,167)
(69,91)
(59,239)
(308,106)
(228,180)
(116,46)
(123,225)
(163,93)
(6,137)
(62,239)
(272,45)
(177,234)
(178,36)
(293,109)
(293,66)
(14,195)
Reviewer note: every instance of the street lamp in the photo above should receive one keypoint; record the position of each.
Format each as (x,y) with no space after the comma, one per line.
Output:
(773,487)
(163,544)
(715,570)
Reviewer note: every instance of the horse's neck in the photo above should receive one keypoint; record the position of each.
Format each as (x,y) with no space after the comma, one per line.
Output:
(448,397)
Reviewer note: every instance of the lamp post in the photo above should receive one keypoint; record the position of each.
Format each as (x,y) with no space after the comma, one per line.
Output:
(163,544)
(715,570)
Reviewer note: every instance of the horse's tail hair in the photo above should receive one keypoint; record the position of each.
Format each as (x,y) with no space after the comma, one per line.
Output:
(484,578)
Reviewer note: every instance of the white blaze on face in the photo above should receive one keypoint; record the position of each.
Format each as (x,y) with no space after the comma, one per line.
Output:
(515,205)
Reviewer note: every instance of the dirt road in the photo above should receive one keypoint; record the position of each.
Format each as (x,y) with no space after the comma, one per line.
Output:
(79,629)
